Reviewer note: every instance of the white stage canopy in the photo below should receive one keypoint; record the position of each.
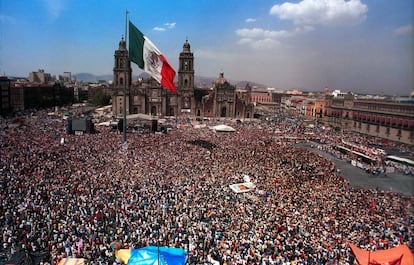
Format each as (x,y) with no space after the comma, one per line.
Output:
(223,128)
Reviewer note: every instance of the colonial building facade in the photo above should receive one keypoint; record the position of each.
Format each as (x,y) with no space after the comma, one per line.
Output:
(388,119)
(148,97)
(226,101)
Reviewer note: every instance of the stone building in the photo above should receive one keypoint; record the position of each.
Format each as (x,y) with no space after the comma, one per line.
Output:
(5,101)
(147,96)
(226,101)
(40,77)
(385,118)
(315,108)
(31,96)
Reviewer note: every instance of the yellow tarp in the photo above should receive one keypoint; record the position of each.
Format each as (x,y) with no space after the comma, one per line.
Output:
(123,255)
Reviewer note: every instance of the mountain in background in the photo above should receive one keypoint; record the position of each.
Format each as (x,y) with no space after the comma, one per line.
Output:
(242,84)
(200,81)
(87,77)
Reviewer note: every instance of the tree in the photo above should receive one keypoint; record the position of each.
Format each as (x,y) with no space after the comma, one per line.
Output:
(100,98)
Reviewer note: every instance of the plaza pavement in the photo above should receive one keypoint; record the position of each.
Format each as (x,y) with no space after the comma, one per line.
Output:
(396,182)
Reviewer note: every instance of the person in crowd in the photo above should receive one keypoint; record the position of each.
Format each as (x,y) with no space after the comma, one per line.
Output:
(82,197)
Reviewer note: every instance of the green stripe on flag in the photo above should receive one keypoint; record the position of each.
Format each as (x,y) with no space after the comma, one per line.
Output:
(136,45)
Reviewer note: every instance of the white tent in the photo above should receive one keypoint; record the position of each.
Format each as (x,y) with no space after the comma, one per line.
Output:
(246,186)
(223,128)
(141,116)
(242,187)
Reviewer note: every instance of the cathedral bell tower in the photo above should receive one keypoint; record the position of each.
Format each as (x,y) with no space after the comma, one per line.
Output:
(121,57)
(186,81)
(121,78)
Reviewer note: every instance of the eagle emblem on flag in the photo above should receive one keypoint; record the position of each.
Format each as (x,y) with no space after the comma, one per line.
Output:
(153,60)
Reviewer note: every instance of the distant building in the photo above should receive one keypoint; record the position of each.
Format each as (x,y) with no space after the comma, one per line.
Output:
(293,105)
(17,98)
(223,101)
(385,118)
(5,101)
(40,77)
(294,92)
(262,97)
(81,93)
(28,96)
(315,108)
(277,99)
(148,97)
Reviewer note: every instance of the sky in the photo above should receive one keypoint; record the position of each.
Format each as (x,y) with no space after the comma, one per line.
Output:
(362,46)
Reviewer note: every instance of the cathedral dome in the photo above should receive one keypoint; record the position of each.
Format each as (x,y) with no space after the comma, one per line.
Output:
(221,79)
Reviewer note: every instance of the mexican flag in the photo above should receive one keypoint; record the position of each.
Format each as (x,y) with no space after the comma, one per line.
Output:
(144,53)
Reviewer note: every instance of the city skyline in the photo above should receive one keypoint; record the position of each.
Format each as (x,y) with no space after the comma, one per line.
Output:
(364,46)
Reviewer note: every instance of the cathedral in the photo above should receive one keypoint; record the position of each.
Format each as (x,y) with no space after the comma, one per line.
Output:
(147,96)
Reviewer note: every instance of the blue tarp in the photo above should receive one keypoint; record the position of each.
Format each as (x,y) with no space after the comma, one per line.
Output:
(153,255)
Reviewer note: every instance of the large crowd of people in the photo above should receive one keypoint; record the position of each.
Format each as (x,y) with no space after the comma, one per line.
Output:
(86,195)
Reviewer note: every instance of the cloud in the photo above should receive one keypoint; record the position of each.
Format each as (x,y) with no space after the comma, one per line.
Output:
(305,15)
(223,55)
(265,39)
(55,7)
(250,20)
(170,25)
(322,12)
(261,33)
(159,29)
(261,44)
(403,30)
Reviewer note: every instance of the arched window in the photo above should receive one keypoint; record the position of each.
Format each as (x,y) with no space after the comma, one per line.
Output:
(223,112)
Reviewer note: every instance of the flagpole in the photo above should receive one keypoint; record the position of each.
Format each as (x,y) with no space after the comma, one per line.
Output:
(124,123)
(159,227)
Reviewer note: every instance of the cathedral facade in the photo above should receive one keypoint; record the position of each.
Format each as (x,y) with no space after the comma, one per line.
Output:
(147,96)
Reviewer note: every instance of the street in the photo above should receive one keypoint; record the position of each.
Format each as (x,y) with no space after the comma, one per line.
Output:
(397,182)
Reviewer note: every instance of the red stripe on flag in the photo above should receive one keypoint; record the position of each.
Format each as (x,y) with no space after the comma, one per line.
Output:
(168,75)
